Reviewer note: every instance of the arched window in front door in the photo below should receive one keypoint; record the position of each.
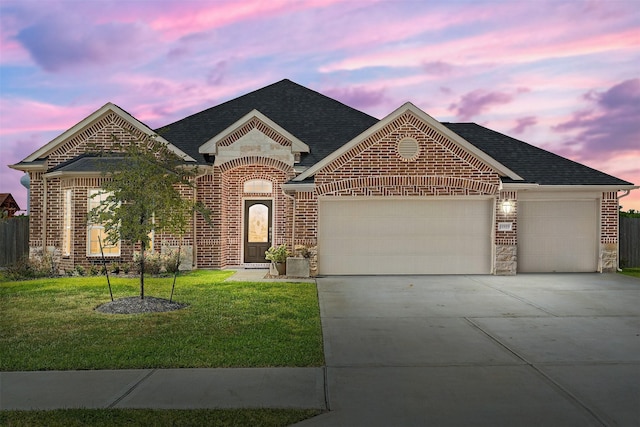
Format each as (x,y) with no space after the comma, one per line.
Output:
(258,230)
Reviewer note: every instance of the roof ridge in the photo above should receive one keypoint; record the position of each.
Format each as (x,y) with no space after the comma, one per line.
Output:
(225,102)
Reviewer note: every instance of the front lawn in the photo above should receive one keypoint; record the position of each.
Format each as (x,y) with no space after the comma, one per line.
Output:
(635,272)
(51,324)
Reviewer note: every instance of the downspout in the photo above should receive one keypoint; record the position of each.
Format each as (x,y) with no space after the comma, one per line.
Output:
(293,229)
(626,193)
(44,215)
(194,248)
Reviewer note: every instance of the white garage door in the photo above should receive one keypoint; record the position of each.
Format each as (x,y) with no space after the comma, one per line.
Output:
(400,236)
(557,236)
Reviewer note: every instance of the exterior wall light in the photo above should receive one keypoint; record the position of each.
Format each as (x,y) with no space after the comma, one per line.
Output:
(507,207)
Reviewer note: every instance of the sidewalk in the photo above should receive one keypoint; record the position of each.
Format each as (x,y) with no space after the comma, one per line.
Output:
(258,275)
(164,389)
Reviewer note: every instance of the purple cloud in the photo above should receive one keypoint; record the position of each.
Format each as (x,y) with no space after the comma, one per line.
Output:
(611,124)
(57,45)
(523,123)
(217,75)
(357,97)
(438,68)
(478,101)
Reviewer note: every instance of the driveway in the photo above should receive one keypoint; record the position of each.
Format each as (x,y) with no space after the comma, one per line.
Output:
(528,350)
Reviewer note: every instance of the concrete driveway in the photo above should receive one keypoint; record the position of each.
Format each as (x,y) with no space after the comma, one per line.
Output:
(529,350)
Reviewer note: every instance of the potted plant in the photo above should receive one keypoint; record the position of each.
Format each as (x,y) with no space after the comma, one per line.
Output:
(278,256)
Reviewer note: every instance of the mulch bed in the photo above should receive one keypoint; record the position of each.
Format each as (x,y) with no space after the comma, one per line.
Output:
(135,305)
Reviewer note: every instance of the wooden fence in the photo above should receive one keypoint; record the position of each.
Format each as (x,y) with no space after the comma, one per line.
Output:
(14,239)
(629,242)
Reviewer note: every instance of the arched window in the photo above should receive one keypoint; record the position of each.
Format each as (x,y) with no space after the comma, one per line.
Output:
(258,186)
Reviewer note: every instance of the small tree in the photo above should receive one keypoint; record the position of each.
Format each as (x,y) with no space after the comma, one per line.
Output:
(143,194)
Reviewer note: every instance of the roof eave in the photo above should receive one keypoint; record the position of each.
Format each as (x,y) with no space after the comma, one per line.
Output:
(303,187)
(73,174)
(564,187)
(29,167)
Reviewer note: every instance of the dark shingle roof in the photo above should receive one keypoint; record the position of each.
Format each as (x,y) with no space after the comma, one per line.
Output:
(89,162)
(322,123)
(533,164)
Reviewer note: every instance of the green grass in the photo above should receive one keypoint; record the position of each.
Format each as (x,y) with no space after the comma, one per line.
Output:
(51,324)
(635,272)
(150,417)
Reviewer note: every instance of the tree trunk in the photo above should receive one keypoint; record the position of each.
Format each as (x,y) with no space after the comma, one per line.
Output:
(142,271)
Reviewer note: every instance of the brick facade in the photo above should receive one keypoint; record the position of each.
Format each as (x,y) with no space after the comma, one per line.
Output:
(376,166)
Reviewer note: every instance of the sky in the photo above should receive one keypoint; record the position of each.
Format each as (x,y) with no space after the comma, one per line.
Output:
(561,75)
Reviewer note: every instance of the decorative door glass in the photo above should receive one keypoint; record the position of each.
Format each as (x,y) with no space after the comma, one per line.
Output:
(258,224)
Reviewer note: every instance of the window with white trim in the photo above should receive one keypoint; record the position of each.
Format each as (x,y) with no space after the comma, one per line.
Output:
(66,224)
(258,186)
(96,232)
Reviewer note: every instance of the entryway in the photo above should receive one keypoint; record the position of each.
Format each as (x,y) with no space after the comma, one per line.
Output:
(257,229)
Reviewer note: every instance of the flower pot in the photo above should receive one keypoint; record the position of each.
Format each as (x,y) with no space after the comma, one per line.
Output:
(281,267)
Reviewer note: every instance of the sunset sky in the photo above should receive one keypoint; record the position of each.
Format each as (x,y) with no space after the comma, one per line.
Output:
(562,75)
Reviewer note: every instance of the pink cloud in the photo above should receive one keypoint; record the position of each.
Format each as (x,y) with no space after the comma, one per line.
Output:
(20,115)
(508,44)
(188,18)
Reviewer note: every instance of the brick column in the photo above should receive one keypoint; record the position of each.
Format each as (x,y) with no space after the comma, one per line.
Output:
(609,232)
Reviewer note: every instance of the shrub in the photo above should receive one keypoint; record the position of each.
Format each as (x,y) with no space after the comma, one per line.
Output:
(277,254)
(171,261)
(22,269)
(41,264)
(80,270)
(152,262)
(94,270)
(115,268)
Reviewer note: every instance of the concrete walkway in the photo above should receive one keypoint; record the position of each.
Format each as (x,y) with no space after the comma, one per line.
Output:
(529,350)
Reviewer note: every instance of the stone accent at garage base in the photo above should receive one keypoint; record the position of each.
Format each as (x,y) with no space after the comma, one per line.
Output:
(506,260)
(609,257)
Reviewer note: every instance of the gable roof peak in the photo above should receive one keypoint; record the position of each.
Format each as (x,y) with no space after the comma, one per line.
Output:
(431,122)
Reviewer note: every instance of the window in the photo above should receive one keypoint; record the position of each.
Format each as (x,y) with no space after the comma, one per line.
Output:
(66,223)
(96,232)
(258,186)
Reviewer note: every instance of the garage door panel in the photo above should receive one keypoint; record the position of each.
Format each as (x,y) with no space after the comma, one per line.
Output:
(405,236)
(557,236)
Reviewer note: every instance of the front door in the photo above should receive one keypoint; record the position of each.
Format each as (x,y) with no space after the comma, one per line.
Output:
(257,230)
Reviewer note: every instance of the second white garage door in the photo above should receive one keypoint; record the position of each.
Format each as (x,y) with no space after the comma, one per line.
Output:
(557,236)
(404,236)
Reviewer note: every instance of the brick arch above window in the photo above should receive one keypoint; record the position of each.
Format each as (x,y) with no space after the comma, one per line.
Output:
(408,185)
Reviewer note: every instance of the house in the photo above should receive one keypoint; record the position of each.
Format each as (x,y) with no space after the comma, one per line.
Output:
(402,195)
(8,205)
